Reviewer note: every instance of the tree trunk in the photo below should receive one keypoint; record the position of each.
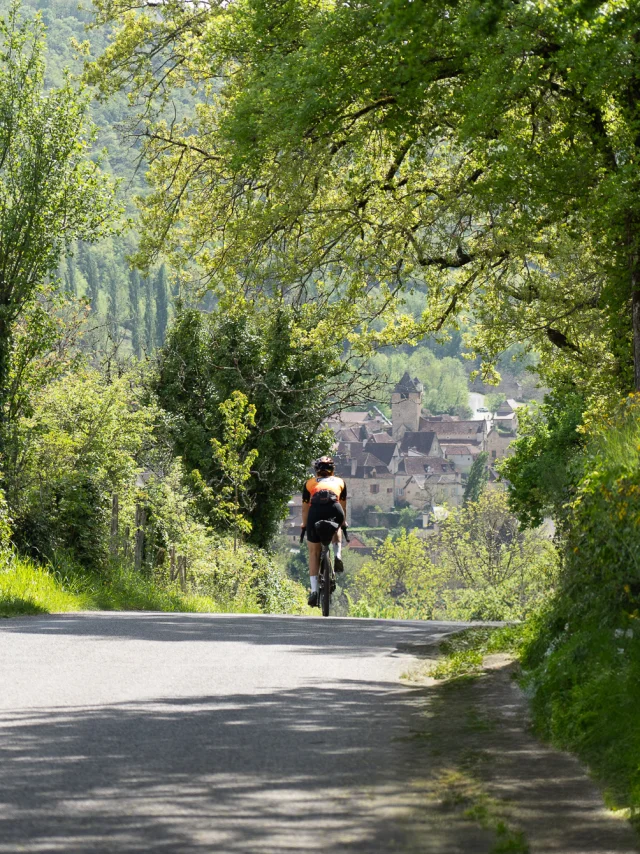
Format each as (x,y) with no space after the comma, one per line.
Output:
(635,319)
(114,524)
(5,358)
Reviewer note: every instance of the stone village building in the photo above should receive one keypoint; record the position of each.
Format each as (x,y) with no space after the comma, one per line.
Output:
(415,459)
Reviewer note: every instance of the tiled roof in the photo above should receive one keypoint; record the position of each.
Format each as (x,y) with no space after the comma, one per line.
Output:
(384,452)
(454,429)
(381,438)
(422,441)
(424,465)
(457,450)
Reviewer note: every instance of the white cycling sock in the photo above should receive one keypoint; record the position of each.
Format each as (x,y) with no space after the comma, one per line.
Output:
(314,583)
(337,550)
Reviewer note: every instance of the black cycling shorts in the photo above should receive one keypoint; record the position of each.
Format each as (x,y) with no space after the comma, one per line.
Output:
(331,510)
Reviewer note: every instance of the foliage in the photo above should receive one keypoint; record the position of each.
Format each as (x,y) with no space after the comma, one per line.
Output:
(399,582)
(479,567)
(541,472)
(583,657)
(387,145)
(477,480)
(292,382)
(444,380)
(51,192)
(498,571)
(79,445)
(493,401)
(235,461)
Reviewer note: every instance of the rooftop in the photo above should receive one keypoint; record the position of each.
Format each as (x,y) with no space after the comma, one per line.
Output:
(408,385)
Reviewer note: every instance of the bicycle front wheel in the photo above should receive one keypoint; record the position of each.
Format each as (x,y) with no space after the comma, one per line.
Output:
(325,570)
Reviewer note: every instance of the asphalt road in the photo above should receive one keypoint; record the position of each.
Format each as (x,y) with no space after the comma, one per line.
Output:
(211,733)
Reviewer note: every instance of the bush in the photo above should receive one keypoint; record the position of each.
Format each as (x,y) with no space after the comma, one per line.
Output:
(584,660)
(80,444)
(480,567)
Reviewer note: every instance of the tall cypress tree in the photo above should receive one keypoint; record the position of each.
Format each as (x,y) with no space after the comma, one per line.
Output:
(148,314)
(162,304)
(112,296)
(71,284)
(89,268)
(134,308)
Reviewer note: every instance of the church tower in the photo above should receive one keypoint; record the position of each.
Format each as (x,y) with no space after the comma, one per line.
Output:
(406,406)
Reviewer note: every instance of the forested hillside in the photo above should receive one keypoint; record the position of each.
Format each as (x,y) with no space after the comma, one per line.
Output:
(129,312)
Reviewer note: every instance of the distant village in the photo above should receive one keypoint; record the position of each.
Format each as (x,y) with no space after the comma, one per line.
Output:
(416,459)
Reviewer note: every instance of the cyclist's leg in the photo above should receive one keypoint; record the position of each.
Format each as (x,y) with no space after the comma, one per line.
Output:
(314,558)
(337,540)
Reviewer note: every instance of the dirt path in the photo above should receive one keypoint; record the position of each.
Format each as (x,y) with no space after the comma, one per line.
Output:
(488,770)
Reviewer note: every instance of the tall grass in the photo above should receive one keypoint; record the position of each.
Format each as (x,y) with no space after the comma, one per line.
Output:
(27,588)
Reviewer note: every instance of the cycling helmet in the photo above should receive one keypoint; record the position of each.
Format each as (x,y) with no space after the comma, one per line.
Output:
(324,464)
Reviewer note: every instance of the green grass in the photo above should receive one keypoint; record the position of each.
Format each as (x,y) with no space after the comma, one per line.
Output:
(464,652)
(27,588)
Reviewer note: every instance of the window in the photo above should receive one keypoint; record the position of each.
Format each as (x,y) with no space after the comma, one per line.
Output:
(374,488)
(399,491)
(493,454)
(390,489)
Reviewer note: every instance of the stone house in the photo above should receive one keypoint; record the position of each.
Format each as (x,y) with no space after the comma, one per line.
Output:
(462,456)
(498,444)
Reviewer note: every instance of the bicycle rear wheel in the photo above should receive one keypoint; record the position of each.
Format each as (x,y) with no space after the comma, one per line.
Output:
(325,571)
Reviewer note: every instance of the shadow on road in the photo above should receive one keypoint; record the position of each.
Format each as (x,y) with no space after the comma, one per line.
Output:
(312,633)
(346,761)
(356,767)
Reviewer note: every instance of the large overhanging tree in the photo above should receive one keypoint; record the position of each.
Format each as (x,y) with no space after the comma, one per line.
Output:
(51,192)
(488,150)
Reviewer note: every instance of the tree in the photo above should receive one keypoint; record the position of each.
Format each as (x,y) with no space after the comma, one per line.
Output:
(292,379)
(234,460)
(493,569)
(477,480)
(112,296)
(89,268)
(134,309)
(544,469)
(162,304)
(400,580)
(80,443)
(149,319)
(487,152)
(51,192)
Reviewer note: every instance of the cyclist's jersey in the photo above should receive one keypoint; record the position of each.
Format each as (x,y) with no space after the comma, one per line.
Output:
(319,490)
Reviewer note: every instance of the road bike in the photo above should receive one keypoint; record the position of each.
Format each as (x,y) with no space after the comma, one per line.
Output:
(327,575)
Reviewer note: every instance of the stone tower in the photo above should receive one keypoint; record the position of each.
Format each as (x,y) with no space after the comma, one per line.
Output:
(406,406)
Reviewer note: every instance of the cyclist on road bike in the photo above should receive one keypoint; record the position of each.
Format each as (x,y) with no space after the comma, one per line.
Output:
(323,497)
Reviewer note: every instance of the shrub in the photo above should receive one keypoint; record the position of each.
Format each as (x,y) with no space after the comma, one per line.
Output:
(584,660)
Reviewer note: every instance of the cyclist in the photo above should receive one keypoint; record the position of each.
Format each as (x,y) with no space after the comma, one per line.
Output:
(323,497)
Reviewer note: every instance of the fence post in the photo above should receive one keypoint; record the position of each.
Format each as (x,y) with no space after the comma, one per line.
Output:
(114,525)
(141,518)
(172,562)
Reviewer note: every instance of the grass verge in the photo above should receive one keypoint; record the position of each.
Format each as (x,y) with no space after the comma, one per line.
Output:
(464,652)
(28,588)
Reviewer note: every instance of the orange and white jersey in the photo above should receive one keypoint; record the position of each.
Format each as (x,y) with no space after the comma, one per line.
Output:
(329,484)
